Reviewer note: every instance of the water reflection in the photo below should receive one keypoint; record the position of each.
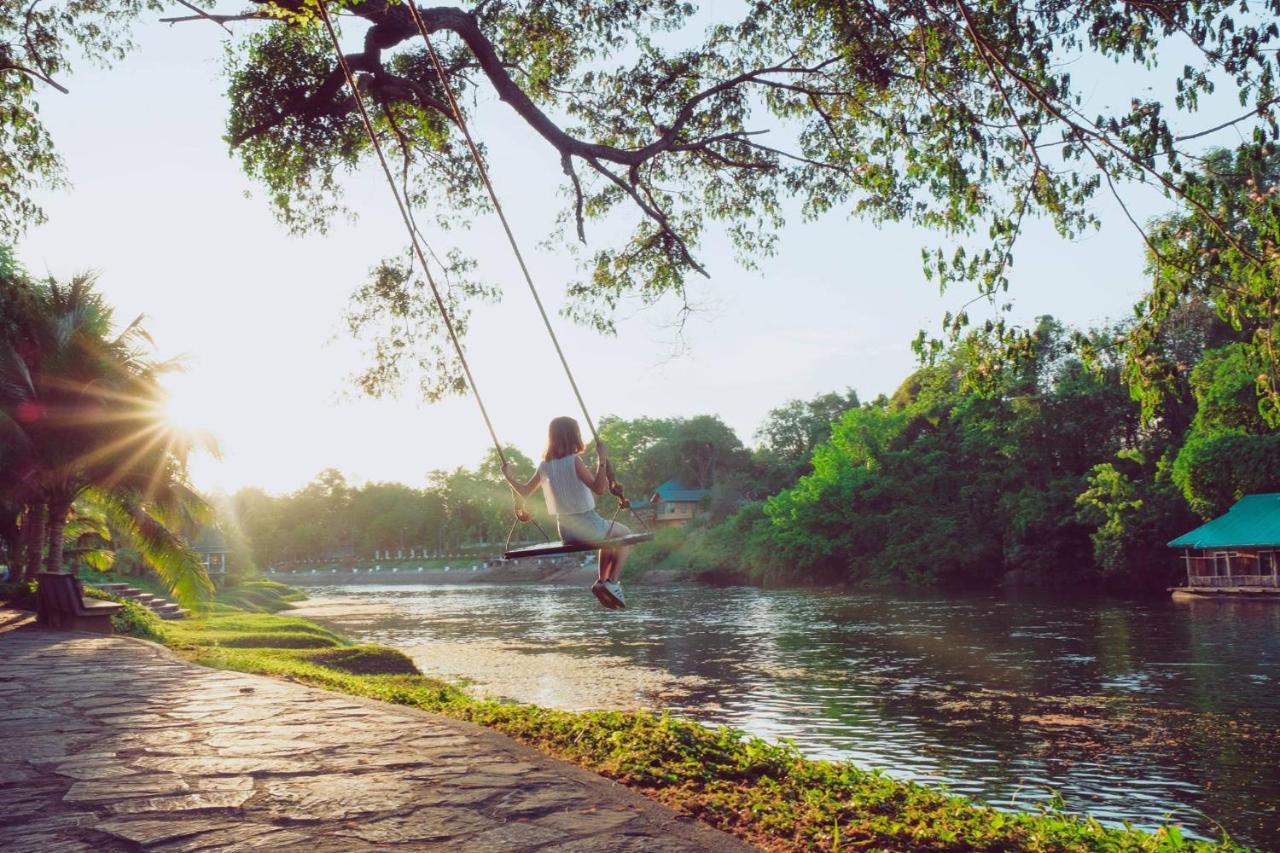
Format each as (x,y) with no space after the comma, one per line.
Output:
(1146,712)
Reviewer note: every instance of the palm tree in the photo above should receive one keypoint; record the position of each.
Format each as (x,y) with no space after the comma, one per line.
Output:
(89,408)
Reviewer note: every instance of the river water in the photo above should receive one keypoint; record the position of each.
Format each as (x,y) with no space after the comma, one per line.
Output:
(1148,712)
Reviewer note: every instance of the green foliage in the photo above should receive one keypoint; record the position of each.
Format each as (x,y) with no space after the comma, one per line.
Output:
(1230,449)
(790,434)
(1134,508)
(769,794)
(134,620)
(1222,248)
(951,481)
(37,43)
(1215,471)
(84,441)
(966,119)
(700,451)
(21,595)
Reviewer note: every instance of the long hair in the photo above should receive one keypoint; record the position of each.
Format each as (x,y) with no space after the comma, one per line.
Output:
(564,438)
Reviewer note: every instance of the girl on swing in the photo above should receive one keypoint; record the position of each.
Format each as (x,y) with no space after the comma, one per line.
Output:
(570,488)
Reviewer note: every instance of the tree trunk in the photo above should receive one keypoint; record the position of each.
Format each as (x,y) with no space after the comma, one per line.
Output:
(35,540)
(58,512)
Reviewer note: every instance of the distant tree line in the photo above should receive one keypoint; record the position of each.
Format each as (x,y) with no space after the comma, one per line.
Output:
(1045,468)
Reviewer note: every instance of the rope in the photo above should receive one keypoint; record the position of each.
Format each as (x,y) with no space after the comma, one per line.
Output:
(403,205)
(406,214)
(506,225)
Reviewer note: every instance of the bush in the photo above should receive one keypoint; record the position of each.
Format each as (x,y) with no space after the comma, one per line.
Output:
(134,620)
(19,595)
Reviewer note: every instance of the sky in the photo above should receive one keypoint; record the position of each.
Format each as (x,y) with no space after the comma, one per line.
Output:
(159,208)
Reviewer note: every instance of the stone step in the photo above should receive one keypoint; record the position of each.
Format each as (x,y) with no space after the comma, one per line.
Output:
(159,605)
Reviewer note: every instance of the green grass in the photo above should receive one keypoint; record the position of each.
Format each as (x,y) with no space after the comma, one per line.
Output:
(255,595)
(767,793)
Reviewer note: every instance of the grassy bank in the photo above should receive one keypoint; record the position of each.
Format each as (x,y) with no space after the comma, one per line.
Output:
(766,793)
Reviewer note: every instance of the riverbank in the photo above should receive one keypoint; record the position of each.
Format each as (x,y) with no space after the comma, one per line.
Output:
(768,794)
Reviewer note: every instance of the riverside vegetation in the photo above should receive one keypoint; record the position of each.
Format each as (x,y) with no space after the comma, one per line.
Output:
(767,793)
(971,470)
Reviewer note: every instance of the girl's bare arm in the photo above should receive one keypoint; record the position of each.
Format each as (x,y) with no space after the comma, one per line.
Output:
(597,482)
(522,489)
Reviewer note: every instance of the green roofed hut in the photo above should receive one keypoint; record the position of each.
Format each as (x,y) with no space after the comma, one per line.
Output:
(673,504)
(1235,554)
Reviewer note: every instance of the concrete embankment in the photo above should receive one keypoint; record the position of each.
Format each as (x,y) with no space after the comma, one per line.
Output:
(570,573)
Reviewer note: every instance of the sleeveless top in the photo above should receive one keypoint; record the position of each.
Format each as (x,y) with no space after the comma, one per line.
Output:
(563,489)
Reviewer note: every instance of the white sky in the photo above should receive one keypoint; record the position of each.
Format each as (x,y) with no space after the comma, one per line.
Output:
(162,211)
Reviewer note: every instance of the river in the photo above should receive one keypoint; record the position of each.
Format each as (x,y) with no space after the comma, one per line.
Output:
(1147,712)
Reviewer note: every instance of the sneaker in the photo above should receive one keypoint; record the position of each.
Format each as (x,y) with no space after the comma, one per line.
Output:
(601,594)
(614,590)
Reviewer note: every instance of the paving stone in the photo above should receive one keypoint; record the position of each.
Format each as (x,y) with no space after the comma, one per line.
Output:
(149,831)
(242,836)
(215,765)
(114,744)
(183,802)
(430,824)
(94,771)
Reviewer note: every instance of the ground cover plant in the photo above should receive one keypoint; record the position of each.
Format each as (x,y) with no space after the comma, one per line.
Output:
(769,794)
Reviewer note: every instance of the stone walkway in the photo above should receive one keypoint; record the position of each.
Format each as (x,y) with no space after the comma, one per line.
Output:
(114,744)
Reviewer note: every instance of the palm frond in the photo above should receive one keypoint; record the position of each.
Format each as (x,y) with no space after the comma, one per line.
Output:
(163,550)
(98,559)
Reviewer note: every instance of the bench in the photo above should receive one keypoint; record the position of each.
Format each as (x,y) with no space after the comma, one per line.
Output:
(60,603)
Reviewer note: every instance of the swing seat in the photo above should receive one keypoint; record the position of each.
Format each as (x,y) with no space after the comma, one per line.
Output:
(550,549)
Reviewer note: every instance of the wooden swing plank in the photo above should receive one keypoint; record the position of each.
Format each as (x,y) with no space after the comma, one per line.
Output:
(549,549)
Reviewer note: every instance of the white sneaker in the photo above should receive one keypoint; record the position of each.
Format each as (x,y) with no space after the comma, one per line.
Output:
(614,589)
(603,596)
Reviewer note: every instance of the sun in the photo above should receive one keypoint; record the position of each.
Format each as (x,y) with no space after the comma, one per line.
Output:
(184,409)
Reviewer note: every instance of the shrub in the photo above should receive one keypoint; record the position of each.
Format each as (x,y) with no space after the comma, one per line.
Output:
(21,595)
(134,620)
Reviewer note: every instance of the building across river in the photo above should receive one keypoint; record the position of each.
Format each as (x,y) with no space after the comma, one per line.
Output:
(1234,554)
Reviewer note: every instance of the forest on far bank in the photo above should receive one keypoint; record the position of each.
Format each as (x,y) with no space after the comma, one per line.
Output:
(972,469)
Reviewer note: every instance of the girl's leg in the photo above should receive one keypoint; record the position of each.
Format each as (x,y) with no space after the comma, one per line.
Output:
(603,561)
(619,560)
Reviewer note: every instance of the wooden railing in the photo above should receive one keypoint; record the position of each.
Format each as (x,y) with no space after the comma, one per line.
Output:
(1234,580)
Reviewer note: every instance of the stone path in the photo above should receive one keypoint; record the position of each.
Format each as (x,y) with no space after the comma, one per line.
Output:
(114,744)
